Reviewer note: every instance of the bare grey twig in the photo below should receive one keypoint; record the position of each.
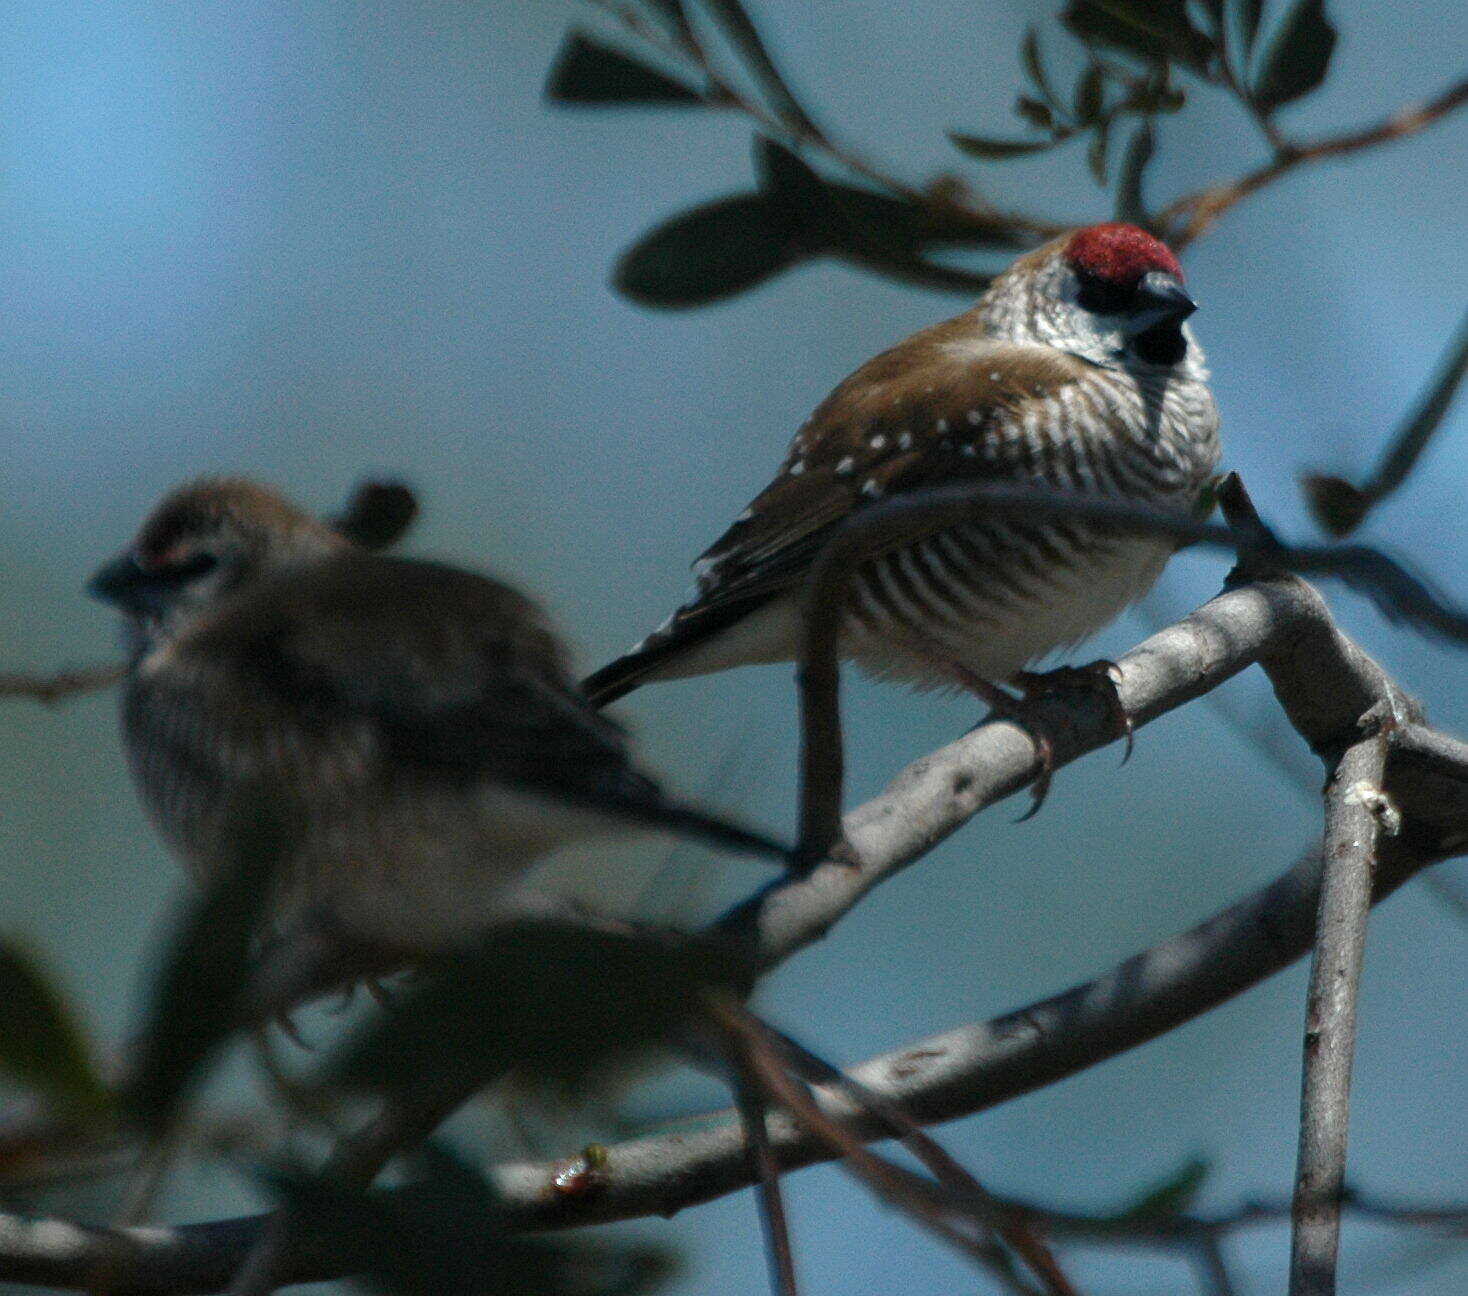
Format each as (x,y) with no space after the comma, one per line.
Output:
(1357,811)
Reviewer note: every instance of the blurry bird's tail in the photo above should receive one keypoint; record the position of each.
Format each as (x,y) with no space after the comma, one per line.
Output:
(645,805)
(689,821)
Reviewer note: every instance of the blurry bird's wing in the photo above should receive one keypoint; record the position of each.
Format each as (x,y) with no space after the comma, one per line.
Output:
(431,673)
(937,409)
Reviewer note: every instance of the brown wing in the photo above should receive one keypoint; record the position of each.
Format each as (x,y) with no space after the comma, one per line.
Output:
(941,407)
(386,673)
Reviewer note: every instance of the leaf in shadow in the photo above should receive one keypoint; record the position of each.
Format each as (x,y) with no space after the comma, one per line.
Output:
(443,1235)
(710,252)
(1153,29)
(555,1002)
(998,150)
(202,977)
(744,35)
(378,514)
(1171,1195)
(1250,12)
(1336,504)
(42,1043)
(1297,58)
(589,72)
(1035,67)
(1130,203)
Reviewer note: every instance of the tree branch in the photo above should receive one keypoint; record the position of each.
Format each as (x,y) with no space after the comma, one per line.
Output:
(1356,811)
(1190,217)
(1324,682)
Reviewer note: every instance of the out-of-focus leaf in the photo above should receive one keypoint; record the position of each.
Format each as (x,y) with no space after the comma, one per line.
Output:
(1340,506)
(745,36)
(554,1001)
(444,1235)
(1088,95)
(1154,29)
(875,229)
(1250,12)
(1096,151)
(1035,66)
(710,252)
(674,14)
(378,515)
(997,150)
(1130,204)
(1336,504)
(1168,1196)
(589,72)
(42,1044)
(202,977)
(1297,58)
(1036,113)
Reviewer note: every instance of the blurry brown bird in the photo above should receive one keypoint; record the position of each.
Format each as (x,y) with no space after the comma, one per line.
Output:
(1074,370)
(415,726)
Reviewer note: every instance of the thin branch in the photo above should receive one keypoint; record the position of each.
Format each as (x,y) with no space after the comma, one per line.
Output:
(924,1201)
(50,689)
(1339,505)
(935,1158)
(1357,809)
(1324,683)
(766,1173)
(1191,216)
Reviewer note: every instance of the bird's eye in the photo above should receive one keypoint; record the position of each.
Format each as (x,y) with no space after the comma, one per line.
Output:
(1104,296)
(187,567)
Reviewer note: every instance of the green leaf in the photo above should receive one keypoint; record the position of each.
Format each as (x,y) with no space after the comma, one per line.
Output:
(1096,152)
(445,1233)
(1250,12)
(42,1044)
(378,514)
(997,150)
(675,15)
(589,72)
(1338,506)
(1088,95)
(1297,58)
(1153,29)
(1035,67)
(196,995)
(1130,204)
(555,1001)
(1169,1196)
(745,36)
(1036,113)
(711,252)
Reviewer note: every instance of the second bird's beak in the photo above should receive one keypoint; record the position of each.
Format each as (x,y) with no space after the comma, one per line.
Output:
(1160,299)
(126,585)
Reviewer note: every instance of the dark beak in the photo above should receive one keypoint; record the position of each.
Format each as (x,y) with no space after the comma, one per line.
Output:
(1160,299)
(125,585)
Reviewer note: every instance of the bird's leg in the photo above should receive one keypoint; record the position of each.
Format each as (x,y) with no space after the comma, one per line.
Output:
(1100,679)
(1018,711)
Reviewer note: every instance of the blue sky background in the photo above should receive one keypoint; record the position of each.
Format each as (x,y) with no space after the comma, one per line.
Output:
(310,241)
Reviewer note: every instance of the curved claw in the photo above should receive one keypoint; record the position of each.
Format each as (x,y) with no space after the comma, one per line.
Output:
(1040,788)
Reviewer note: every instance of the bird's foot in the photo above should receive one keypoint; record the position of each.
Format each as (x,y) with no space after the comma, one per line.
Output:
(1099,679)
(1018,711)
